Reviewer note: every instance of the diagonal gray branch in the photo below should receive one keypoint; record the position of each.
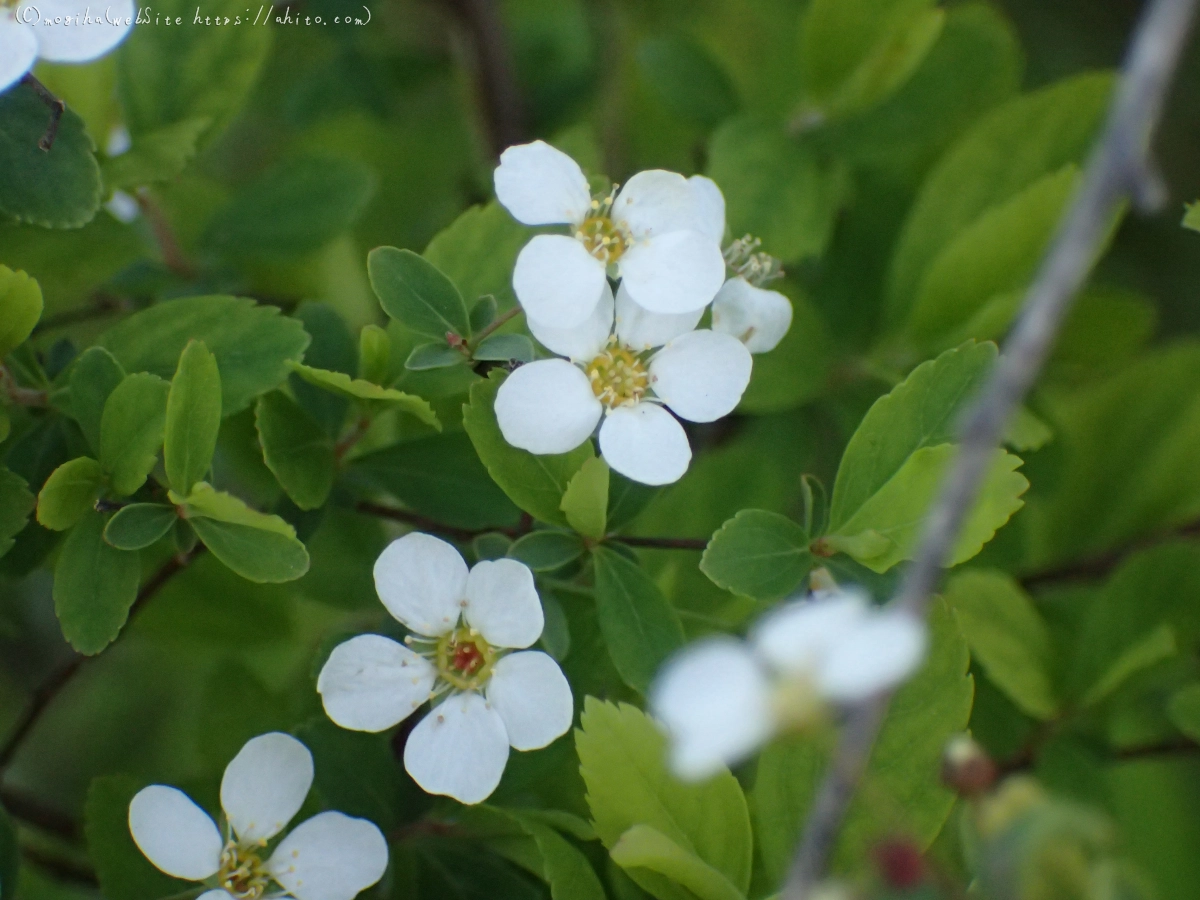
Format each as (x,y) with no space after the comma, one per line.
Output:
(1120,169)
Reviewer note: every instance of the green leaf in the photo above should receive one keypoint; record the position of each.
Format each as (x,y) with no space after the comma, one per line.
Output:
(414,292)
(622,757)
(483,313)
(356,389)
(295,208)
(193,418)
(131,430)
(10,858)
(478,251)
(1007,636)
(138,525)
(259,547)
(1184,710)
(20,308)
(374,354)
(297,450)
(639,626)
(505,348)
(95,585)
(643,847)
(155,156)
(70,493)
(332,348)
(16,503)
(124,871)
(1026,432)
(585,501)
(356,773)
(252,343)
(1191,218)
(534,483)
(759,554)
(94,376)
(901,792)
(897,511)
(687,80)
(1152,649)
(436,355)
(56,189)
(545,551)
(776,187)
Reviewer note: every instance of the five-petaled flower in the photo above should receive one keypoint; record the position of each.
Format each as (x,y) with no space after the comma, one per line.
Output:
(63,31)
(757,317)
(328,857)
(660,234)
(464,626)
(721,699)
(553,406)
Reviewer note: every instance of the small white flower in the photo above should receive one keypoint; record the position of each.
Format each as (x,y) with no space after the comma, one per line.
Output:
(755,316)
(553,406)
(465,625)
(28,32)
(329,857)
(660,235)
(721,699)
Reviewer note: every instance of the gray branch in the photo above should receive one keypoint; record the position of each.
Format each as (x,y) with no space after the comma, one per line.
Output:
(1120,169)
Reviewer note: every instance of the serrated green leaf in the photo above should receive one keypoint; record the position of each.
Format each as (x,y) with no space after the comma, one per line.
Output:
(131,430)
(138,525)
(20,308)
(759,554)
(545,551)
(585,501)
(94,376)
(299,453)
(534,483)
(95,585)
(252,343)
(70,493)
(646,848)
(416,293)
(193,418)
(433,356)
(639,625)
(505,348)
(259,547)
(357,389)
(155,156)
(16,503)
(622,757)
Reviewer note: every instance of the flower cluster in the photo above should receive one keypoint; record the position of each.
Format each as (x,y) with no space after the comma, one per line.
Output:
(722,698)
(660,236)
(328,857)
(465,626)
(62,31)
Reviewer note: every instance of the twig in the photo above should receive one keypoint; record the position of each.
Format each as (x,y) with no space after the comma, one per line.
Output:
(21,396)
(1118,169)
(493,325)
(173,256)
(56,106)
(29,809)
(101,305)
(1102,564)
(665,543)
(62,868)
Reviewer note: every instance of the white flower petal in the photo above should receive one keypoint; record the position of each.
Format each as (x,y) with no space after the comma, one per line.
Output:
(677,272)
(265,785)
(503,605)
(710,207)
(655,202)
(645,443)
(758,318)
(547,406)
(80,40)
(797,637)
(330,857)
(583,342)
(216,894)
(421,580)
(174,833)
(713,699)
(18,50)
(701,375)
(557,281)
(639,329)
(533,698)
(879,654)
(459,749)
(369,683)
(540,185)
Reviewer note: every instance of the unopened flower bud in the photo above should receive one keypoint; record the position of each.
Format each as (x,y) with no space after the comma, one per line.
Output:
(966,767)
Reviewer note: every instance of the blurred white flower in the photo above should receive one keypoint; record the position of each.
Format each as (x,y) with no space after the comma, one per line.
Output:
(464,626)
(553,406)
(757,317)
(61,31)
(329,857)
(721,699)
(123,207)
(660,234)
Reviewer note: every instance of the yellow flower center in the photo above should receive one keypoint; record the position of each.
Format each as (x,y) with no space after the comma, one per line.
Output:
(243,872)
(618,375)
(464,659)
(602,237)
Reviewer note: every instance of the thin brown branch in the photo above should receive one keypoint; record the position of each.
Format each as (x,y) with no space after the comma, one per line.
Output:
(1117,171)
(164,235)
(61,867)
(1096,567)
(494,324)
(53,103)
(28,809)
(21,396)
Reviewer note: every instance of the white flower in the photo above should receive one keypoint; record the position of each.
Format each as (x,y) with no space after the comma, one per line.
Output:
(553,406)
(464,626)
(722,698)
(660,235)
(62,31)
(755,316)
(329,857)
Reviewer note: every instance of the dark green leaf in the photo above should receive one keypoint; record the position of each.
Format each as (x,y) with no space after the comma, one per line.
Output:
(435,355)
(296,449)
(95,584)
(504,348)
(759,554)
(138,525)
(93,377)
(478,251)
(545,551)
(131,430)
(417,294)
(193,418)
(10,858)
(357,773)
(332,349)
(16,503)
(258,546)
(70,493)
